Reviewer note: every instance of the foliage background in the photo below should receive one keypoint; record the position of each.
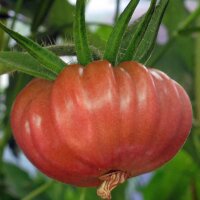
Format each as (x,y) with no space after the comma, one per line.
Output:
(50,22)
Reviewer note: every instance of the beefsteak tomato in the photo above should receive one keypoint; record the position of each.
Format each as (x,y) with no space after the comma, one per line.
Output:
(101,125)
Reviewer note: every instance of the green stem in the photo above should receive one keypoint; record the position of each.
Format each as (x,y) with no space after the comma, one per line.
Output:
(17,10)
(189,20)
(38,191)
(42,10)
(2,38)
(3,143)
(70,50)
(194,190)
(2,34)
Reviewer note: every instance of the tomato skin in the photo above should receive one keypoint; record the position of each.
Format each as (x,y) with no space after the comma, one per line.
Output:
(96,119)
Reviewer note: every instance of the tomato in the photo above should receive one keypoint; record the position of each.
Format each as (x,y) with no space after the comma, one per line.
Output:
(97,123)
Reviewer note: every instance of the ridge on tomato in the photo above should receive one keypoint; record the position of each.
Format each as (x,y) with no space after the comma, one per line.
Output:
(99,125)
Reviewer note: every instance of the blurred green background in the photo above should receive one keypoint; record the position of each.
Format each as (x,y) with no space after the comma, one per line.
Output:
(177,53)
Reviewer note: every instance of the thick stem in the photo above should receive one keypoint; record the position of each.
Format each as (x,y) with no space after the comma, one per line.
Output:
(110,181)
(69,50)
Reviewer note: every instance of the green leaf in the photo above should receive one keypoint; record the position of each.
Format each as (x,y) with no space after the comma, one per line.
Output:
(172,180)
(45,57)
(2,36)
(57,191)
(11,61)
(178,19)
(17,180)
(41,13)
(5,69)
(63,191)
(80,36)
(176,63)
(192,145)
(114,41)
(139,33)
(119,192)
(88,194)
(38,191)
(196,187)
(131,29)
(147,43)
(181,22)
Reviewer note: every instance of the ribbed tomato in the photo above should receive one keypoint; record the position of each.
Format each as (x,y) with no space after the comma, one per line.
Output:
(99,124)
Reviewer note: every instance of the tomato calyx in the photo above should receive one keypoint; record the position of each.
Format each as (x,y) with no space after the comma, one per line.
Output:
(110,181)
